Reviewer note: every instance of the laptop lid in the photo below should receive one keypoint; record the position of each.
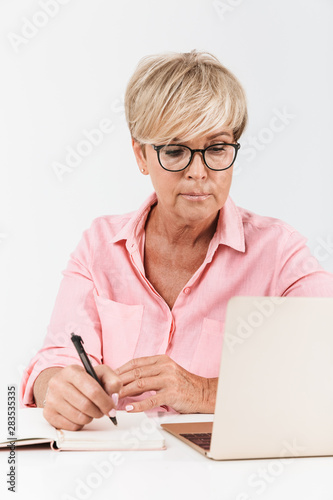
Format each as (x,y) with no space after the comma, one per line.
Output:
(275,390)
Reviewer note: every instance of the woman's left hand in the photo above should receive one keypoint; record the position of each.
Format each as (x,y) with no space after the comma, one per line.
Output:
(175,387)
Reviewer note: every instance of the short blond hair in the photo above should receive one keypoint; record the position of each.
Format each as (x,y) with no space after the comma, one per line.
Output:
(183,95)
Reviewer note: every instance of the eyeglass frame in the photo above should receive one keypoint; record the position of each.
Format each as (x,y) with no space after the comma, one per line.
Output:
(236,147)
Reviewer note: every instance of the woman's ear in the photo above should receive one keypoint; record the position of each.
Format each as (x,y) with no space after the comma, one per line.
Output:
(140,155)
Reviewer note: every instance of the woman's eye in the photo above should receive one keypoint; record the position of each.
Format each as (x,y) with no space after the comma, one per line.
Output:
(217,149)
(174,152)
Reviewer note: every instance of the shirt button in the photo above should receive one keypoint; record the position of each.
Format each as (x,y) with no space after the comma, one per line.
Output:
(187,290)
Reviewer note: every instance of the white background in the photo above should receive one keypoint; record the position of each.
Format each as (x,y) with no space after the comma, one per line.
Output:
(65,77)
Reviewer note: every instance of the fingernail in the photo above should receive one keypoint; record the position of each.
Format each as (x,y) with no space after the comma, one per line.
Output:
(129,407)
(112,413)
(115,398)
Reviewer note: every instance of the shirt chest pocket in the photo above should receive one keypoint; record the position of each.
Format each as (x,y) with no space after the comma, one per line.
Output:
(121,325)
(207,355)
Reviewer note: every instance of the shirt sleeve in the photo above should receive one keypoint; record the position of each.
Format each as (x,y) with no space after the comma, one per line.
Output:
(299,272)
(74,311)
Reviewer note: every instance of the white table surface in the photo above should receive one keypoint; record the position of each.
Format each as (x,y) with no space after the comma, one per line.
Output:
(175,473)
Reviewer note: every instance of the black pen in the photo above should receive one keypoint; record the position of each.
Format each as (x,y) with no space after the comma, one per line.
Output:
(77,341)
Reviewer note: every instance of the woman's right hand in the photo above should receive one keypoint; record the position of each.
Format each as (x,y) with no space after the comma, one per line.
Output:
(74,398)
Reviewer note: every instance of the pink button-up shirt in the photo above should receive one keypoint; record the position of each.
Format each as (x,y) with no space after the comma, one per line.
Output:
(105,297)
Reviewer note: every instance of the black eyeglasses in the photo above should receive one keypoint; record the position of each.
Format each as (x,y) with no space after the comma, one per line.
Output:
(176,157)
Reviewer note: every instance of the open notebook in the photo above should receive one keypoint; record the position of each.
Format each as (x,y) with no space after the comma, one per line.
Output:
(135,431)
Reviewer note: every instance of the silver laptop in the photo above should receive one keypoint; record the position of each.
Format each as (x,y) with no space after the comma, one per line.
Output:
(275,389)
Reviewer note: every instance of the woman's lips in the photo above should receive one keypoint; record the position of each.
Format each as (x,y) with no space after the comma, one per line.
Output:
(195,196)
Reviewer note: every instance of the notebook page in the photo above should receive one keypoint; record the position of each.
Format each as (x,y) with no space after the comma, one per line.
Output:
(30,425)
(134,431)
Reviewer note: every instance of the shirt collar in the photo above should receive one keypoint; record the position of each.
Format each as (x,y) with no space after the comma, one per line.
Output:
(229,230)
(134,227)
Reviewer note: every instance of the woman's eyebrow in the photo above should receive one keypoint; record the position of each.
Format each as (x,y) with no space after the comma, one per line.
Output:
(218,135)
(176,139)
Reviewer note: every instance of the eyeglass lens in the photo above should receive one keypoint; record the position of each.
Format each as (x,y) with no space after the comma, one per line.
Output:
(218,156)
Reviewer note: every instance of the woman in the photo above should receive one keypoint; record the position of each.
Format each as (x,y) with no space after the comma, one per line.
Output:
(148,290)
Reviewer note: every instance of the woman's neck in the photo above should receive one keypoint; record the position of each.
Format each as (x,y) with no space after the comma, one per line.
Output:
(179,232)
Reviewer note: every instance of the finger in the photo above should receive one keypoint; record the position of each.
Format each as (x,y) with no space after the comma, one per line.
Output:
(142,385)
(73,396)
(72,404)
(84,383)
(59,421)
(68,412)
(110,381)
(80,402)
(137,362)
(140,372)
(146,404)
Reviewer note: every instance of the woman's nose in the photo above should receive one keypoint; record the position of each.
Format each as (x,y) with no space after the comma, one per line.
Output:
(197,168)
